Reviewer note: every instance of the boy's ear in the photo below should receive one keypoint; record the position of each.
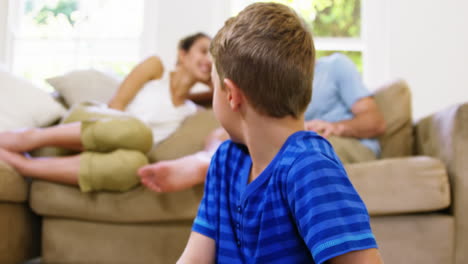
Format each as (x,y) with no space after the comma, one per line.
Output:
(234,95)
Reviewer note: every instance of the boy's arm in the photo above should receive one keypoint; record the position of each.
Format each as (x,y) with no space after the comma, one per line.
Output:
(367,256)
(199,249)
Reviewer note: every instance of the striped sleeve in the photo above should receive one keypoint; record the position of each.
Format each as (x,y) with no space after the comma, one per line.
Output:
(205,221)
(329,214)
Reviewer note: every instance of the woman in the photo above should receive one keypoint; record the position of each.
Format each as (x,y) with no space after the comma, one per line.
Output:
(114,147)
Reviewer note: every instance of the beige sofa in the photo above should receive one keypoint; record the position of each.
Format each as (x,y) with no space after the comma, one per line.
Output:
(415,195)
(19,227)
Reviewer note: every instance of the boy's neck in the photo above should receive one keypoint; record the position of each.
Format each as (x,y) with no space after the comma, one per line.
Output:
(264,137)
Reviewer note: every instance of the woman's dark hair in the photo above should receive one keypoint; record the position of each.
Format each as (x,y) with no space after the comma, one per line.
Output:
(187,42)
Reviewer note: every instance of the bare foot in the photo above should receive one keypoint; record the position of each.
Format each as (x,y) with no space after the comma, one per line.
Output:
(175,175)
(17,140)
(11,158)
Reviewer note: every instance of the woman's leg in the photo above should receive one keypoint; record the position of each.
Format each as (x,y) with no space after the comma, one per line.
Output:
(182,173)
(62,169)
(116,136)
(65,135)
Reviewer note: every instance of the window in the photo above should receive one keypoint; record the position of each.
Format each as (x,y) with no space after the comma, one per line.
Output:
(51,37)
(336,25)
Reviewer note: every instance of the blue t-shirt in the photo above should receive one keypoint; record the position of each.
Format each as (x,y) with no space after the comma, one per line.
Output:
(337,86)
(301,209)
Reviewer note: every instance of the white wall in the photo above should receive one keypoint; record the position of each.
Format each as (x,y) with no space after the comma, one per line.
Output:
(172,20)
(429,48)
(3,29)
(169,21)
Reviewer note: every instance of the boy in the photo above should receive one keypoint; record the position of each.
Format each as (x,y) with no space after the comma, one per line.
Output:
(275,193)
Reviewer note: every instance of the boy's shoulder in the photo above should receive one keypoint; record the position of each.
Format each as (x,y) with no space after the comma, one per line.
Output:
(308,144)
(230,146)
(311,155)
(301,144)
(301,149)
(229,152)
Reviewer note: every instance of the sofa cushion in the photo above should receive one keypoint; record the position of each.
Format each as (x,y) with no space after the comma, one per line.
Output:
(138,205)
(13,187)
(71,241)
(394,101)
(419,238)
(401,185)
(391,186)
(85,85)
(24,105)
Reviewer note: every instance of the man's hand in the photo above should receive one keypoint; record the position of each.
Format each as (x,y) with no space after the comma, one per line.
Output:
(367,122)
(324,128)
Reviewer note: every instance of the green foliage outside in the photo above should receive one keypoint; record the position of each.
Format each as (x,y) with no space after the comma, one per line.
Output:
(329,18)
(65,7)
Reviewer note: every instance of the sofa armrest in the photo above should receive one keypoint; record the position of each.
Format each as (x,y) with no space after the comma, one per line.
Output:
(444,135)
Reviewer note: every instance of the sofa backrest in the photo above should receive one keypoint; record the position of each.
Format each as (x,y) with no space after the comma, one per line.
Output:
(394,101)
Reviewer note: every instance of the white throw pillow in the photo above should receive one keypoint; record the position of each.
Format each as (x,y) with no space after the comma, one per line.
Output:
(85,85)
(24,105)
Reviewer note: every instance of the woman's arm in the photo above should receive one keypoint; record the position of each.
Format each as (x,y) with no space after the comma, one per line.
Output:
(149,69)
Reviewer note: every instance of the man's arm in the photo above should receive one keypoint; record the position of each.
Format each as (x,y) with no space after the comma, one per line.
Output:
(200,249)
(149,69)
(367,256)
(368,122)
